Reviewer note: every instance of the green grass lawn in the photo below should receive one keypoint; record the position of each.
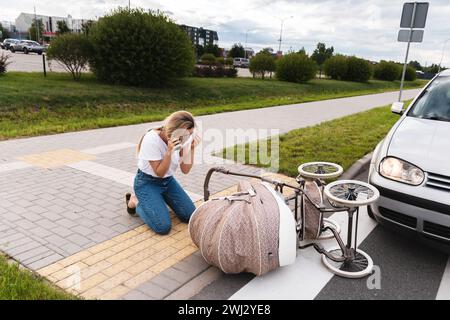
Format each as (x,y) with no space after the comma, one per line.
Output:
(342,141)
(32,105)
(18,284)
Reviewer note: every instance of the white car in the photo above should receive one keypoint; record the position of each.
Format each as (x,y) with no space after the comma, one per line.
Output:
(241,62)
(411,167)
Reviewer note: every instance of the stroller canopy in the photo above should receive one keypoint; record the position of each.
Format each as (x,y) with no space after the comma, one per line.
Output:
(252,230)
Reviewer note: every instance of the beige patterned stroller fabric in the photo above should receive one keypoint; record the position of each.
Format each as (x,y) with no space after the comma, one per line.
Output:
(312,218)
(241,232)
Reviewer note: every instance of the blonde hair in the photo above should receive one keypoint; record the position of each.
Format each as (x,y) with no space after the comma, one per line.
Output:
(175,121)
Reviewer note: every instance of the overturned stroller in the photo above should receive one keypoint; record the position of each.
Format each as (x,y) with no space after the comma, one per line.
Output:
(258,229)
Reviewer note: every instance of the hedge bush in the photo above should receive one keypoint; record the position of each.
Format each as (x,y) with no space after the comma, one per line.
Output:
(336,67)
(208,59)
(387,71)
(73,51)
(224,61)
(261,64)
(215,72)
(4,63)
(410,74)
(296,67)
(140,48)
(358,70)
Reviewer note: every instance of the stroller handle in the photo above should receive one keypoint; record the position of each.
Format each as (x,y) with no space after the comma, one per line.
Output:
(297,189)
(206,192)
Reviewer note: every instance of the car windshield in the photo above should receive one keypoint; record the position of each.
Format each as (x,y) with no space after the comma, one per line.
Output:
(434,104)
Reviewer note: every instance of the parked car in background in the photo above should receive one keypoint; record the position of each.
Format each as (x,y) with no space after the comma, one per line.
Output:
(7,43)
(241,62)
(27,46)
(411,167)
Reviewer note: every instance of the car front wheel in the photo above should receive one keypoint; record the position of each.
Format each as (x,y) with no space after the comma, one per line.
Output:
(25,50)
(12,49)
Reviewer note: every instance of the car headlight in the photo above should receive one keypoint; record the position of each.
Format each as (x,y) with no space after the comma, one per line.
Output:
(402,171)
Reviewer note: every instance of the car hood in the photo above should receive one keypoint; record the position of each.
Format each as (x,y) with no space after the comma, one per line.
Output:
(424,143)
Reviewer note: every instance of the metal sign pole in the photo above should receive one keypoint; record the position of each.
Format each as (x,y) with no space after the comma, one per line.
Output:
(43,65)
(407,52)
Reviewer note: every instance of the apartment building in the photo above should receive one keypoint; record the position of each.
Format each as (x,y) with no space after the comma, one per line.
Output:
(24,20)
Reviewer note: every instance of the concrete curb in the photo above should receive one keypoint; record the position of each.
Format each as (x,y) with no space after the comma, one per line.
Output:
(357,168)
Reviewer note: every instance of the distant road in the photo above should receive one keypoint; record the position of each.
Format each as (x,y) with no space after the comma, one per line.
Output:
(31,62)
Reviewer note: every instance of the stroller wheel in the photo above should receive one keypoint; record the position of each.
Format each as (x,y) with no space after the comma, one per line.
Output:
(327,234)
(351,193)
(358,267)
(320,170)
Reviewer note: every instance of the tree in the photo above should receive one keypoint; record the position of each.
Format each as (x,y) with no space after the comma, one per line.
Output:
(33,31)
(267,51)
(387,71)
(86,27)
(321,54)
(416,65)
(237,51)
(62,27)
(336,67)
(73,51)
(410,74)
(208,59)
(141,48)
(296,67)
(199,50)
(302,51)
(434,68)
(3,63)
(358,70)
(262,63)
(4,33)
(213,49)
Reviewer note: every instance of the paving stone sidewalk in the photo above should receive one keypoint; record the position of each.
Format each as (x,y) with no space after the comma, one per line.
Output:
(63,199)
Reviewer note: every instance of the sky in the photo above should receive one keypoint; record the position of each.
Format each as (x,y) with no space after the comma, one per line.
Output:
(365,28)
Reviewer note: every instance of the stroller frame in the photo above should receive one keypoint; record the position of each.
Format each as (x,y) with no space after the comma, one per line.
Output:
(349,257)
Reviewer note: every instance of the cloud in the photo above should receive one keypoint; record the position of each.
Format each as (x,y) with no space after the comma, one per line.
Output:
(364,28)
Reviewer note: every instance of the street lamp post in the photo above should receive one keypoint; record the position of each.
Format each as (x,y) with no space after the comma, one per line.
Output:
(281,31)
(245,47)
(442,56)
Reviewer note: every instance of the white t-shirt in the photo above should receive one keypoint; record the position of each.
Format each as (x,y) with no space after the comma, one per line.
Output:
(153,148)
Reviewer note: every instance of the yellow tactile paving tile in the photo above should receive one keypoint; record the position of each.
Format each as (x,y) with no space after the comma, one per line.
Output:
(114,267)
(56,158)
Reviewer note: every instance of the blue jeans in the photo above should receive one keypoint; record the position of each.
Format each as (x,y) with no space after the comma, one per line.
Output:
(153,194)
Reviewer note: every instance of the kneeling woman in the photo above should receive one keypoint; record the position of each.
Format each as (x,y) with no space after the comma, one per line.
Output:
(160,152)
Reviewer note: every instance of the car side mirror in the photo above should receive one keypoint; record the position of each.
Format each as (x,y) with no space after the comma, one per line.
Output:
(397,107)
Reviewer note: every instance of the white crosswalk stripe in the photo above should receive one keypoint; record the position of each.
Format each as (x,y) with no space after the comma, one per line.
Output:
(444,288)
(307,276)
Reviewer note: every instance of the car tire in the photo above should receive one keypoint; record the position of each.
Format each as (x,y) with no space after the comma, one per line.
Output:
(370,213)
(12,49)
(39,53)
(25,50)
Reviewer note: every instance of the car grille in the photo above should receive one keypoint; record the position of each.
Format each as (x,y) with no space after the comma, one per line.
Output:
(398,217)
(436,229)
(438,181)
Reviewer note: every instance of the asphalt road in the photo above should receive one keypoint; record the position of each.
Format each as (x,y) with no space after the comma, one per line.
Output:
(31,62)
(409,270)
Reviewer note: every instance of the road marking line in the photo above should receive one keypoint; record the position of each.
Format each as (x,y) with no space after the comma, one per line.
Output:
(109,148)
(115,175)
(304,279)
(444,288)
